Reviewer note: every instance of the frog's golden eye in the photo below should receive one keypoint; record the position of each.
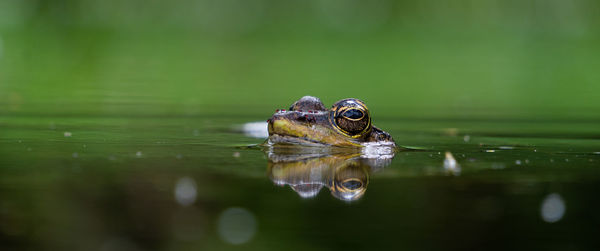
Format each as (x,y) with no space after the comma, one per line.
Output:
(350,182)
(351,118)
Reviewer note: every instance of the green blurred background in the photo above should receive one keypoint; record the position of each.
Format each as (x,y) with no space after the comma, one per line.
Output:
(406,58)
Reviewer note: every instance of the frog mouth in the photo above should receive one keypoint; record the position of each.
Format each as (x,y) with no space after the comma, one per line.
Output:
(275,139)
(286,131)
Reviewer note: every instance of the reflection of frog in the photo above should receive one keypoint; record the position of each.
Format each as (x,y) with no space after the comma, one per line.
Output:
(347,123)
(345,174)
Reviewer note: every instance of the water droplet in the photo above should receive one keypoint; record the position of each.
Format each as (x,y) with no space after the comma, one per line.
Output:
(236,225)
(450,164)
(553,208)
(185,191)
(467,138)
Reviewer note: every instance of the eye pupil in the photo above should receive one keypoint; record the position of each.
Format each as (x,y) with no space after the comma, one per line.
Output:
(353,114)
(352,185)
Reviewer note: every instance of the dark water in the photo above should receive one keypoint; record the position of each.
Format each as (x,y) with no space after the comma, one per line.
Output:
(183,183)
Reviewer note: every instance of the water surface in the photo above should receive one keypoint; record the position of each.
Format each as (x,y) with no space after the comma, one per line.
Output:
(188,182)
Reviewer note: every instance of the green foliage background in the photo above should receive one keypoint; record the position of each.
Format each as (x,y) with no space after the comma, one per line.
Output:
(405,58)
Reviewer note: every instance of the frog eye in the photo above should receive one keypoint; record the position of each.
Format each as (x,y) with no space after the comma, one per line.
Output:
(351,118)
(352,184)
(353,121)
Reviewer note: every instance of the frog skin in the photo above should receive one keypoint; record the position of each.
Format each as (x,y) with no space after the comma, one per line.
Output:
(308,122)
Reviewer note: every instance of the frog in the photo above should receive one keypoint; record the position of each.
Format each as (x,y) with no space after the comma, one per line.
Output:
(308,123)
(308,170)
(346,175)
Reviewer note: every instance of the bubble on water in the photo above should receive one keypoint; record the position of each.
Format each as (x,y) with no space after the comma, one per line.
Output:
(138,154)
(256,130)
(527,161)
(67,134)
(236,225)
(378,150)
(518,162)
(185,191)
(467,138)
(450,164)
(553,208)
(236,154)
